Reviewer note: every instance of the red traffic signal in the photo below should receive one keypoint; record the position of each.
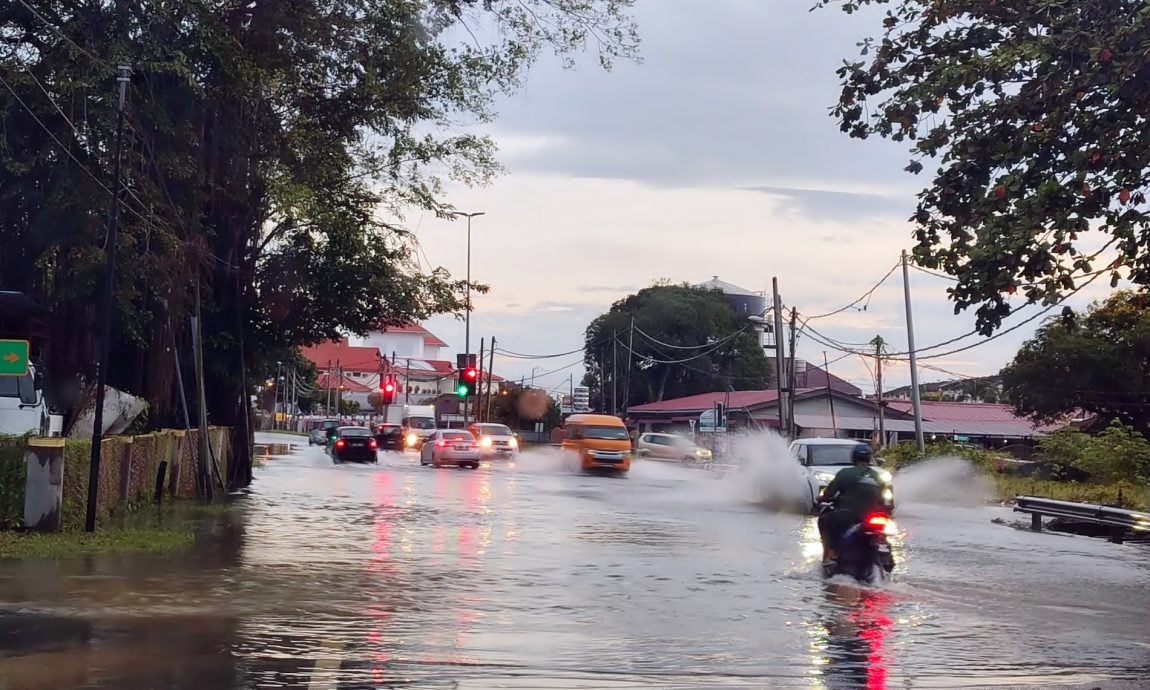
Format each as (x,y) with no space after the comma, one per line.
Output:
(387,392)
(470,375)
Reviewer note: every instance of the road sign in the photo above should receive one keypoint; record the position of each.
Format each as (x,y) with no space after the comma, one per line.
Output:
(581,398)
(14,357)
(707,423)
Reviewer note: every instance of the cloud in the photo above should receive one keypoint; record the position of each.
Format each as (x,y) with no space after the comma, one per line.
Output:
(823,204)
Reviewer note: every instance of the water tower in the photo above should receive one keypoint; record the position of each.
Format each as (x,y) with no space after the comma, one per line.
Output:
(747,304)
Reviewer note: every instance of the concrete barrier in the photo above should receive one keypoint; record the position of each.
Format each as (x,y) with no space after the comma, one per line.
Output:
(44,484)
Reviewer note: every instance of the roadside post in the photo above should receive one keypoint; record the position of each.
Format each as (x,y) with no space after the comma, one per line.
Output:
(44,485)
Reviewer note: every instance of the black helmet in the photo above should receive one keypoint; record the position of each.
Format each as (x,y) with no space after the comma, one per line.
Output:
(861,455)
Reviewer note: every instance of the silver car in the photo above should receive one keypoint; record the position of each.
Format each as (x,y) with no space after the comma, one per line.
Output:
(456,447)
(495,440)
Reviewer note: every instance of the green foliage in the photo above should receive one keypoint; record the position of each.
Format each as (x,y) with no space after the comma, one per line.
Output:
(1122,494)
(906,454)
(1032,111)
(520,407)
(1118,453)
(12,480)
(348,407)
(671,322)
(1097,362)
(272,150)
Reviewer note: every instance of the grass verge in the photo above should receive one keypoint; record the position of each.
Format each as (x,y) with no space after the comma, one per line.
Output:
(108,541)
(1125,495)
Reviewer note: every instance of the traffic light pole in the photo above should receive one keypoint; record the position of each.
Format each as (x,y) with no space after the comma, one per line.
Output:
(467,316)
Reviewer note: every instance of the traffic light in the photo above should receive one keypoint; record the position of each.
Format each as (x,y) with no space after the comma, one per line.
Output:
(387,392)
(468,381)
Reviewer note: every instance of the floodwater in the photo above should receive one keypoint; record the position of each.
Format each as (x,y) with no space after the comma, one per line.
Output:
(527,574)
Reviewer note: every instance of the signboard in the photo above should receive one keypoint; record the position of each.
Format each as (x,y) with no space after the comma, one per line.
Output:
(707,423)
(565,404)
(14,357)
(961,439)
(581,398)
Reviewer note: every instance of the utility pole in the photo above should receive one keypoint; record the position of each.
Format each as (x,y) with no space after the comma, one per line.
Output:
(602,382)
(780,384)
(630,361)
(490,368)
(203,475)
(878,343)
(467,316)
(791,382)
(327,404)
(914,396)
(479,384)
(277,396)
(407,385)
(614,373)
(123,74)
(830,396)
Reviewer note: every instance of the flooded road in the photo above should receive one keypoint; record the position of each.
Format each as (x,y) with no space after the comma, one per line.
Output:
(528,575)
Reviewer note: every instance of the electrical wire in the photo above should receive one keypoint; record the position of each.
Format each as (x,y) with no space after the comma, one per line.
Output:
(59,32)
(865,296)
(727,338)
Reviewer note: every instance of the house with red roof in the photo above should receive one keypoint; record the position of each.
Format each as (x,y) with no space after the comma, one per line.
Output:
(836,408)
(411,354)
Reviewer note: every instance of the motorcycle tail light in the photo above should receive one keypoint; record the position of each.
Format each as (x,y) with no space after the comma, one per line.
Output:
(877,521)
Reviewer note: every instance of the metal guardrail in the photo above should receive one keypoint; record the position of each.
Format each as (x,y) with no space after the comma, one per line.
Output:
(1119,520)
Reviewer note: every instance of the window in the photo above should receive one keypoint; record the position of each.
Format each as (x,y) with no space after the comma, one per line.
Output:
(838,454)
(456,436)
(21,387)
(355,432)
(493,429)
(606,433)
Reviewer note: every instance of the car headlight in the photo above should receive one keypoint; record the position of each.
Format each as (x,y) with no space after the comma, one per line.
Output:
(411,439)
(485,442)
(885,476)
(887,495)
(824,476)
(514,443)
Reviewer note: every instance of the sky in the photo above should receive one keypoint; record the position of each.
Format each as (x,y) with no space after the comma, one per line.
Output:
(715,156)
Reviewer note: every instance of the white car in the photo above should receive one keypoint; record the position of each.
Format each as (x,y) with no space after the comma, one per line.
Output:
(450,447)
(494,440)
(823,458)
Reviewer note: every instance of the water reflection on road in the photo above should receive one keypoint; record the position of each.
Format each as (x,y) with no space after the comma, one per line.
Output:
(528,575)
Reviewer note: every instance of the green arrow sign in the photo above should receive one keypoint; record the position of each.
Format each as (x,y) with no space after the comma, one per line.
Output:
(13,357)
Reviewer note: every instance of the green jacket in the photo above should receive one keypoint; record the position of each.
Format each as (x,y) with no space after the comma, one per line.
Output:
(856,489)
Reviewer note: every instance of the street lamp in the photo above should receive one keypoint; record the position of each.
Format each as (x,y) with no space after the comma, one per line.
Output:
(467,316)
(533,375)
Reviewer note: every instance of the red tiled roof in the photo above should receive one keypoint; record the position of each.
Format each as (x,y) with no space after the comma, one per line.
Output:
(433,341)
(705,401)
(817,378)
(441,366)
(335,382)
(410,328)
(341,355)
(993,417)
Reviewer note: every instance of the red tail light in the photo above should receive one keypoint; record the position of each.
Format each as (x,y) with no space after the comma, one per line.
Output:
(340,443)
(441,443)
(877,521)
(372,444)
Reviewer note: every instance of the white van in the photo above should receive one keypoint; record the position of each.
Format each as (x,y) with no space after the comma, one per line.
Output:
(822,458)
(22,408)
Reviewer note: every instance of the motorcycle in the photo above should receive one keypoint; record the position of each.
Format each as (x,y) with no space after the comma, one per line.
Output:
(864,551)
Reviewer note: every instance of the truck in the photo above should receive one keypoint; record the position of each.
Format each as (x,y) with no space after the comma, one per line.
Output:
(22,408)
(417,423)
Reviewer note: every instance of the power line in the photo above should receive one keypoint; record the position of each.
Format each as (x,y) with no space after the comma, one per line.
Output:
(59,32)
(720,341)
(865,296)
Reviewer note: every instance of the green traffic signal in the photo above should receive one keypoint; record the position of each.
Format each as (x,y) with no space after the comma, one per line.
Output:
(462,391)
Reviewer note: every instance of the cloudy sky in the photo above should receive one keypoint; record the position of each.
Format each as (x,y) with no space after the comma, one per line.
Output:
(714,157)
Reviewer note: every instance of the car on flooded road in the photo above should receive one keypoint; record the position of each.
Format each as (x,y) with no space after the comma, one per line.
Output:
(601,442)
(450,447)
(354,444)
(671,447)
(389,436)
(823,458)
(495,440)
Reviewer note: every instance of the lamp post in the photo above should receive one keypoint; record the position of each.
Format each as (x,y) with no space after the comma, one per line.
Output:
(533,369)
(467,316)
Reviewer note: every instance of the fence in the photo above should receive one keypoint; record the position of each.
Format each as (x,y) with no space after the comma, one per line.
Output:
(128,467)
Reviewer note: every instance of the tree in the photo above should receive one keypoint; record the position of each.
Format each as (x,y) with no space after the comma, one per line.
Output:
(1035,113)
(272,149)
(686,340)
(1098,362)
(520,407)
(348,407)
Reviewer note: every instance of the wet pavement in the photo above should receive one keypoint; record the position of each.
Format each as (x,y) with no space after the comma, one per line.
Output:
(526,574)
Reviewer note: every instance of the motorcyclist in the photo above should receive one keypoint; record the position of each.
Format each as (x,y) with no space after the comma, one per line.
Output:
(851,495)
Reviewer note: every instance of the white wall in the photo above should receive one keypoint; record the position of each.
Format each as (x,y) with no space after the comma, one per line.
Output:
(402,344)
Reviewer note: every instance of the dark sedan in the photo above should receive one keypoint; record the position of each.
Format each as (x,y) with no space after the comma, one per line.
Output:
(354,444)
(389,436)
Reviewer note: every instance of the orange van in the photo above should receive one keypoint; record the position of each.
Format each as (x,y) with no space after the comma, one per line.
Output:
(601,441)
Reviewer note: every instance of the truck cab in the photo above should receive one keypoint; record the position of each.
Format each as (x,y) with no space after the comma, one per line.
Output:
(22,408)
(418,423)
